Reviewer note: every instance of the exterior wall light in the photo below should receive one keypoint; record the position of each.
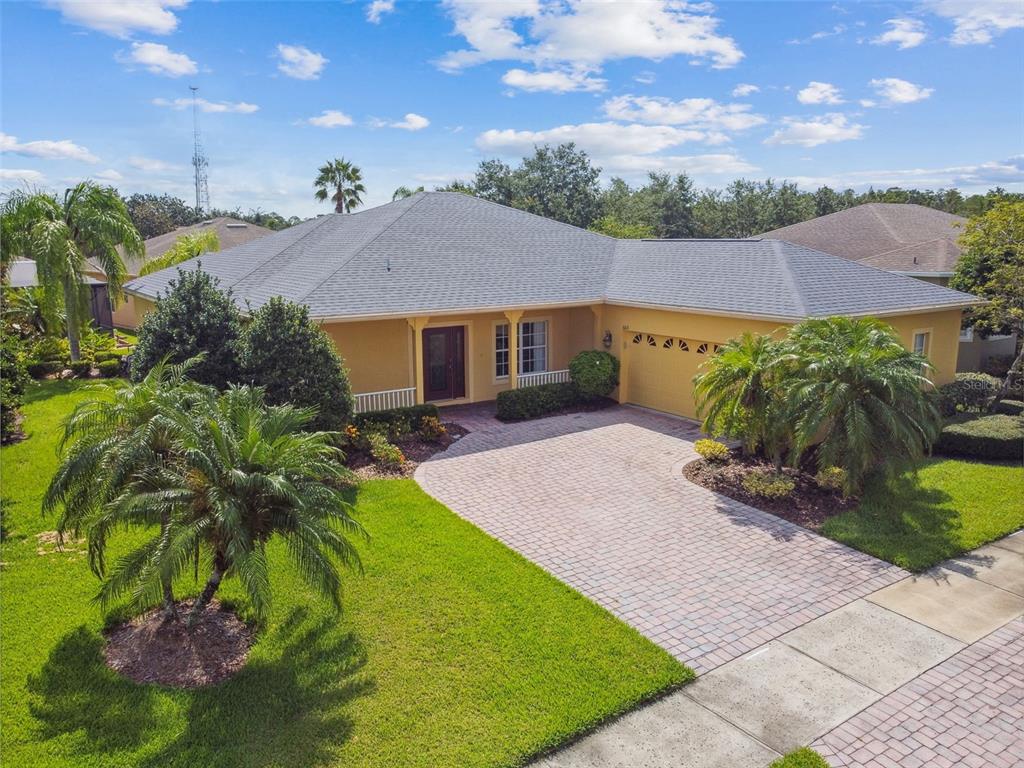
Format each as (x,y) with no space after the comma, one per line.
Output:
(607,340)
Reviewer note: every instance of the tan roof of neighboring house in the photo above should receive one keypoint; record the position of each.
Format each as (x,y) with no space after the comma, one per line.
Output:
(898,237)
(230,232)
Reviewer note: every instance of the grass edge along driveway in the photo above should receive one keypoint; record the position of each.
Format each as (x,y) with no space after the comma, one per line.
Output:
(452,650)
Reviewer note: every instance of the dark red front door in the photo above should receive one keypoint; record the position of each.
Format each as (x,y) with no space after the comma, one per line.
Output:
(444,363)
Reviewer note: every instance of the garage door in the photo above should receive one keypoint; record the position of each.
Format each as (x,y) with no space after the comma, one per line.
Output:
(661,371)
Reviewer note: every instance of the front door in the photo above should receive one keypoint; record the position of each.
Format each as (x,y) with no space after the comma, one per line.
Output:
(444,363)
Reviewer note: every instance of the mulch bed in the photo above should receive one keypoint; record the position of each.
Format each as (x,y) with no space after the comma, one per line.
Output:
(808,505)
(415,449)
(149,650)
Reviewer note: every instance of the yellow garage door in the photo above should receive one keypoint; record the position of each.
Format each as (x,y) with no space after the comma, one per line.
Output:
(661,370)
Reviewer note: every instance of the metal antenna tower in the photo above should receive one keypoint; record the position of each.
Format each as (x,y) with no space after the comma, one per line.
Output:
(199,161)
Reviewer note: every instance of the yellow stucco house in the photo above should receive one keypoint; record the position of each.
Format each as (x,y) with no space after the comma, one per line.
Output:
(442,297)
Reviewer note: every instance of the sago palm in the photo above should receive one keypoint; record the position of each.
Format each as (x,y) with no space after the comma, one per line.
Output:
(858,396)
(738,396)
(243,473)
(61,236)
(346,181)
(108,445)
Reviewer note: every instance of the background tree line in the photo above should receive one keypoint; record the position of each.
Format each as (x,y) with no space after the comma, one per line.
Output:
(158,214)
(562,183)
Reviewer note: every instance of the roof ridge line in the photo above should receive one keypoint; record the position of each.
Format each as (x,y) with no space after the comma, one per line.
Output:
(303,297)
(787,276)
(278,253)
(548,219)
(885,226)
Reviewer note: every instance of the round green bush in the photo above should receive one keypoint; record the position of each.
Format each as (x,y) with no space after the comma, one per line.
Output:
(291,357)
(998,436)
(831,478)
(711,450)
(109,368)
(81,368)
(595,373)
(970,392)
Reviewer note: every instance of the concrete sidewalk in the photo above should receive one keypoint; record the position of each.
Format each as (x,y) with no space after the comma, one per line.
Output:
(927,671)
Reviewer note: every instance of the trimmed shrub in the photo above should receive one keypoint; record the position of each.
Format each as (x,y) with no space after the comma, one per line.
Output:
(595,373)
(81,368)
(1010,407)
(194,317)
(295,362)
(983,437)
(970,392)
(831,478)
(39,369)
(104,356)
(431,429)
(109,368)
(711,450)
(395,421)
(13,379)
(383,452)
(533,402)
(768,485)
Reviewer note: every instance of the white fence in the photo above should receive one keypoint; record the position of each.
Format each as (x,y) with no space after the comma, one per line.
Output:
(547,377)
(382,401)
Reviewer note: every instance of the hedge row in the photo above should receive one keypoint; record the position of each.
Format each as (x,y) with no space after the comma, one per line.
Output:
(532,402)
(998,436)
(396,421)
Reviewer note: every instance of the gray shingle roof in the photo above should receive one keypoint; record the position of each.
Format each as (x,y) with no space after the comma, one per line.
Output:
(898,237)
(440,252)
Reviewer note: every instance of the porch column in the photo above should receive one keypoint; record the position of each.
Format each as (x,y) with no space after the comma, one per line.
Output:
(418,324)
(624,354)
(513,317)
(598,311)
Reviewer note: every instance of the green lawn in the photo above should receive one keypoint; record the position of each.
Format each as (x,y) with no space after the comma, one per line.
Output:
(948,507)
(452,650)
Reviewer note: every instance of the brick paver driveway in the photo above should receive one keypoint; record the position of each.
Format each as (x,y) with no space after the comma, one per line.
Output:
(598,500)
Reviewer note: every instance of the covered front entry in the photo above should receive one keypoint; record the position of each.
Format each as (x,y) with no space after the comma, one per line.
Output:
(661,369)
(444,363)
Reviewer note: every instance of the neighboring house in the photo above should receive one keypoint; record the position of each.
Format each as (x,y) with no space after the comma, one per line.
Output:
(906,239)
(445,297)
(22,274)
(230,232)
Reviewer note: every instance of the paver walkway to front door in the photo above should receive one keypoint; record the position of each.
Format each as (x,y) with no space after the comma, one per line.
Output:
(598,500)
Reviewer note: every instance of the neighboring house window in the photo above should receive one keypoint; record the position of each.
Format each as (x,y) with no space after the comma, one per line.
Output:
(967,334)
(533,348)
(921,341)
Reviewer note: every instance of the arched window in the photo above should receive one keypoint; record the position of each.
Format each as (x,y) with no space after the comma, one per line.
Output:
(650,341)
(683,345)
(666,344)
(637,337)
(702,348)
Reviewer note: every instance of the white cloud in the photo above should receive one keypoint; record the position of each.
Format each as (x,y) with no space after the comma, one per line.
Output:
(819,93)
(159,59)
(237,107)
(330,118)
(981,175)
(838,29)
(712,164)
(645,78)
(600,139)
(828,129)
(904,33)
(411,122)
(895,91)
(151,165)
(299,62)
(586,33)
(745,89)
(21,175)
(699,113)
(978,21)
(554,81)
(65,149)
(122,18)
(108,175)
(377,9)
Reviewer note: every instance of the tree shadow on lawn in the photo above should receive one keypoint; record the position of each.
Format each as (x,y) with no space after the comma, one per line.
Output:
(278,711)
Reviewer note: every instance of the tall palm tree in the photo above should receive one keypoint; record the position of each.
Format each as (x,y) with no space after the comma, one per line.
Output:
(108,444)
(737,393)
(857,395)
(60,236)
(240,473)
(345,179)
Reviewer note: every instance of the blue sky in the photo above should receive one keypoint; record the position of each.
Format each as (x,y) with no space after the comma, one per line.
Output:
(923,94)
